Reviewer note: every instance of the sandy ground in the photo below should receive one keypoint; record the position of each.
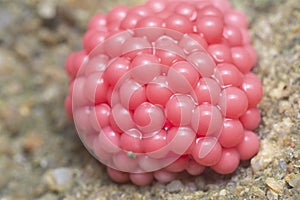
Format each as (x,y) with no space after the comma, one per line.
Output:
(41,156)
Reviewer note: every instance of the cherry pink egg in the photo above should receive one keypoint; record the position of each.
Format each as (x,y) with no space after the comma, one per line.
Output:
(222,5)
(207,151)
(194,168)
(114,126)
(164,15)
(193,42)
(134,45)
(130,21)
(83,125)
(131,140)
(207,120)
(116,70)
(236,18)
(99,116)
(249,146)
(79,87)
(220,52)
(142,10)
(179,23)
(167,58)
(228,75)
(117,14)
(89,139)
(145,73)
(74,63)
(145,68)
(155,141)
(182,77)
(118,176)
(150,27)
(186,10)
(122,117)
(149,164)
(251,118)
(201,4)
(156,5)
(100,153)
(232,133)
(96,65)
(233,102)
(229,161)
(210,10)
(114,26)
(202,62)
(252,87)
(242,59)
(149,118)
(233,35)
(179,110)
(180,139)
(114,41)
(141,179)
(95,88)
(207,90)
(92,39)
(109,140)
(158,91)
(169,44)
(144,59)
(164,176)
(98,22)
(150,21)
(123,161)
(211,28)
(178,165)
(132,94)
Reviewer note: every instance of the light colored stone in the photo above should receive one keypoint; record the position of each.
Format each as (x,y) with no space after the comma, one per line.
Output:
(59,179)
(275,185)
(175,186)
(47,9)
(223,192)
(264,157)
(293,180)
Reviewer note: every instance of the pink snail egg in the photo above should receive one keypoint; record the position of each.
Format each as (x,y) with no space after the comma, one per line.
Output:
(165,89)
(158,91)
(179,110)
(149,118)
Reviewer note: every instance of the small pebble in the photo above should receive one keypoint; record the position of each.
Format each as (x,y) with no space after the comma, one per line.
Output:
(264,157)
(32,141)
(175,186)
(59,179)
(275,185)
(191,186)
(258,192)
(223,192)
(271,195)
(282,164)
(200,182)
(47,9)
(279,92)
(293,180)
